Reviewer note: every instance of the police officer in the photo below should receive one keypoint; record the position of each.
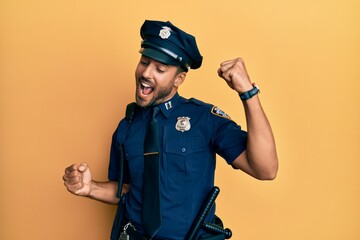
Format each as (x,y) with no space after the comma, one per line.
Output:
(190,134)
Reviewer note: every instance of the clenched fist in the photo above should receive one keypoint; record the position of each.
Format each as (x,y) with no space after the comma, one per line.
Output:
(77,179)
(235,75)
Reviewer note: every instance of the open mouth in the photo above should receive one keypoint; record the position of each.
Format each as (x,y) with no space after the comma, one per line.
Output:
(146,89)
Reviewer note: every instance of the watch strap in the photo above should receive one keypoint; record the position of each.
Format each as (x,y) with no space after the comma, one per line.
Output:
(249,94)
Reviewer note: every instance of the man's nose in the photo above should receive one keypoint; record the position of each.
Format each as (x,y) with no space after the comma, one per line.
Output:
(148,72)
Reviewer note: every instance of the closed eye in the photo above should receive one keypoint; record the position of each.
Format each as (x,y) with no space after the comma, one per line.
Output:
(144,63)
(161,70)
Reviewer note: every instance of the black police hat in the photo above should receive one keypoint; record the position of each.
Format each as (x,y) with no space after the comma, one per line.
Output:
(170,45)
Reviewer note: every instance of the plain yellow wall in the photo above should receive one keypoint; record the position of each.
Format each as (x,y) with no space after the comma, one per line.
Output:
(67,73)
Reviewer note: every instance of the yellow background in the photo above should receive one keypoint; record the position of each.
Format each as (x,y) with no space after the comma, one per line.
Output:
(67,73)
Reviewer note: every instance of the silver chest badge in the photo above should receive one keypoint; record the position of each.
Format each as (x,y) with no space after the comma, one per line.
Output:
(183,124)
(165,32)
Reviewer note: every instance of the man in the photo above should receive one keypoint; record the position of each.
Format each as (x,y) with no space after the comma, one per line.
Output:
(179,167)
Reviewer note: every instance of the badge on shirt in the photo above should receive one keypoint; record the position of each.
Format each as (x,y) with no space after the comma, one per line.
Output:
(183,124)
(218,112)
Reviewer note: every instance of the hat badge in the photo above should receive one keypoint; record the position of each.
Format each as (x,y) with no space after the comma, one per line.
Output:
(183,124)
(165,32)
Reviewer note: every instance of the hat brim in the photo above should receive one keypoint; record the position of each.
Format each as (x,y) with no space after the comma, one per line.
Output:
(159,56)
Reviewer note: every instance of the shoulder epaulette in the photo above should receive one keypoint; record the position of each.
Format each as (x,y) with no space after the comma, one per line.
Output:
(213,109)
(197,102)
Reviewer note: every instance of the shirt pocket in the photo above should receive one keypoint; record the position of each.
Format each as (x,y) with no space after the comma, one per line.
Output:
(182,153)
(183,163)
(135,160)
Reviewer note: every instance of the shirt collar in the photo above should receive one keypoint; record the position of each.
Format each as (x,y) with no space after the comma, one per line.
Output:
(166,107)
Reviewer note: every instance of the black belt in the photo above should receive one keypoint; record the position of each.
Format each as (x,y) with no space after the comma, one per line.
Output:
(132,234)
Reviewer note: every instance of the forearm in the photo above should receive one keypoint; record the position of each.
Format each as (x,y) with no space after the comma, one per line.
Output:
(261,150)
(260,158)
(104,191)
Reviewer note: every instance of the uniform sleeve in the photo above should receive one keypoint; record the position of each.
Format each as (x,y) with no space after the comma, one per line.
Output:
(113,171)
(228,139)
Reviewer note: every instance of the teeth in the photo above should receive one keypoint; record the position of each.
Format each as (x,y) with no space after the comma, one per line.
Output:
(145,85)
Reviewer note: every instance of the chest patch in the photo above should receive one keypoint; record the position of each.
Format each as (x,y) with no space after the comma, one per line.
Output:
(183,124)
(218,112)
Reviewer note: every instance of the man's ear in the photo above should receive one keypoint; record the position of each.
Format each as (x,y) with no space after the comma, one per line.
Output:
(180,78)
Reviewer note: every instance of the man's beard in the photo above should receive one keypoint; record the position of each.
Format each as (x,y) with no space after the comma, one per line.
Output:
(160,95)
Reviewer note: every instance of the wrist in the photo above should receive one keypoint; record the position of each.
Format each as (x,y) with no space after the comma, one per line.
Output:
(92,189)
(249,94)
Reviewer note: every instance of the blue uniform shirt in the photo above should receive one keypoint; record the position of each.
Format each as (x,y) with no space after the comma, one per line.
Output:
(191,134)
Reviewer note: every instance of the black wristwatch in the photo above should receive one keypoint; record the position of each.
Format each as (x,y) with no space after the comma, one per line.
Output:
(249,94)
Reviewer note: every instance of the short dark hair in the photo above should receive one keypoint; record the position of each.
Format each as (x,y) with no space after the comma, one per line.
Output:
(181,69)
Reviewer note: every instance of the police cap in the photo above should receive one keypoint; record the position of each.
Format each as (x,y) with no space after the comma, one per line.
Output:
(170,45)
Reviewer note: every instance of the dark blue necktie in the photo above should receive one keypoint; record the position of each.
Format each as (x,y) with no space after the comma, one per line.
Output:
(151,215)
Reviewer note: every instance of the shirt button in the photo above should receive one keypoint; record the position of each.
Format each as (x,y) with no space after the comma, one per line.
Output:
(183,149)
